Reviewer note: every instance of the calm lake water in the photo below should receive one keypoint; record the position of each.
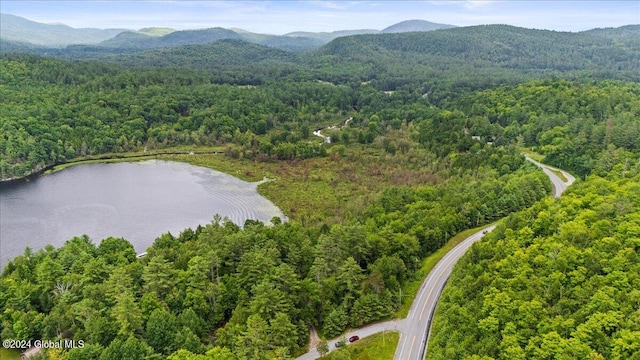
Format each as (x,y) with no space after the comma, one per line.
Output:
(137,201)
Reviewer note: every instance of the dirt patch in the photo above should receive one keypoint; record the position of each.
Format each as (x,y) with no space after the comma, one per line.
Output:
(314,339)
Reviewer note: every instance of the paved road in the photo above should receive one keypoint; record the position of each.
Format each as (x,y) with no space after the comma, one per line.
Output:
(559,186)
(414,329)
(413,341)
(394,325)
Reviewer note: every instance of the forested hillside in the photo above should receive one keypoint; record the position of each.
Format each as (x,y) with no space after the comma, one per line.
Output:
(94,108)
(15,28)
(427,133)
(579,127)
(252,292)
(444,63)
(560,279)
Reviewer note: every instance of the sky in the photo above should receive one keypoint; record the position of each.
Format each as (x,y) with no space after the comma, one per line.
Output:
(281,17)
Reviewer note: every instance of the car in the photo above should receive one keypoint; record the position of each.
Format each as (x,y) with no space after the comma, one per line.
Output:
(340,344)
(484,232)
(354,338)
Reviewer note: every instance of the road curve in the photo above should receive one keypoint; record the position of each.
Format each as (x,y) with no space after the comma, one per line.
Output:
(559,185)
(413,341)
(393,325)
(414,329)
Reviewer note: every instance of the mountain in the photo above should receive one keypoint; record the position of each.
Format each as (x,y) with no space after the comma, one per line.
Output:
(156,31)
(623,32)
(139,40)
(325,37)
(226,52)
(474,57)
(502,45)
(10,46)
(282,42)
(415,25)
(409,50)
(130,39)
(404,26)
(15,28)
(24,31)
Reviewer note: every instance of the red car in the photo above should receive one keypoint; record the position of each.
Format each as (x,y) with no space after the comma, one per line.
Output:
(354,338)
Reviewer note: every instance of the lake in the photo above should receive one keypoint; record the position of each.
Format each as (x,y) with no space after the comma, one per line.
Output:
(138,201)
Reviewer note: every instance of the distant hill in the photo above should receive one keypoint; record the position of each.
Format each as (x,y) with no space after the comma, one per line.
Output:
(193,37)
(325,37)
(226,52)
(623,32)
(404,26)
(132,39)
(139,40)
(476,57)
(9,46)
(503,45)
(156,31)
(404,54)
(282,42)
(24,31)
(415,25)
(18,29)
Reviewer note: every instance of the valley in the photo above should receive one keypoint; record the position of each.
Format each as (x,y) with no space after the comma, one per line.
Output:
(438,124)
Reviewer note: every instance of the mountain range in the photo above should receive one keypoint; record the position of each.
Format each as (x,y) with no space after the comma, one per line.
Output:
(18,32)
(405,54)
(21,30)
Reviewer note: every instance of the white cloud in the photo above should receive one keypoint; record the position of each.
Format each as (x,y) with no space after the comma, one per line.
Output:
(474,4)
(467,4)
(333,5)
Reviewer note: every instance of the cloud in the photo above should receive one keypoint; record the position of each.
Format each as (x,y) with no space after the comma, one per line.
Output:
(474,4)
(467,4)
(330,4)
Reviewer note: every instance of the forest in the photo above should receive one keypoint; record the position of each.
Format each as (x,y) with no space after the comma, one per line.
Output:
(422,159)
(556,281)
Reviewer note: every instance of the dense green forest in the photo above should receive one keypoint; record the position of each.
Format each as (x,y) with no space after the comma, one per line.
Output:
(456,114)
(174,95)
(556,281)
(583,128)
(560,279)
(251,291)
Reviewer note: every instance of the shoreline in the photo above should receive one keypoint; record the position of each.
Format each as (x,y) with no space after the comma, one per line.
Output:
(103,158)
(262,209)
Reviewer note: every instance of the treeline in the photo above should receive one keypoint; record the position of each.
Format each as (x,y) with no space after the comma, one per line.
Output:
(247,293)
(93,108)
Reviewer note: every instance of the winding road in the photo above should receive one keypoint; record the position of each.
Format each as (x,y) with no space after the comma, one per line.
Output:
(413,340)
(559,185)
(414,329)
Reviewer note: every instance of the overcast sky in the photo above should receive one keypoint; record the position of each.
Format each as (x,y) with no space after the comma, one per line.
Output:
(281,17)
